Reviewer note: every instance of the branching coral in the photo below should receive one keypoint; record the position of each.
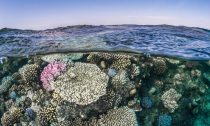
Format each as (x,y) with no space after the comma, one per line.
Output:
(121,84)
(11,117)
(121,64)
(135,70)
(51,72)
(170,98)
(119,117)
(47,115)
(121,79)
(83,84)
(160,66)
(5,84)
(30,73)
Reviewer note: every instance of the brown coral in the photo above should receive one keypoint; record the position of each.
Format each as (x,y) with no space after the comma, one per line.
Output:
(160,66)
(121,63)
(30,74)
(11,117)
(119,117)
(47,115)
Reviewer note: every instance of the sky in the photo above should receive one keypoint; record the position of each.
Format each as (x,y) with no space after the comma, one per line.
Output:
(45,14)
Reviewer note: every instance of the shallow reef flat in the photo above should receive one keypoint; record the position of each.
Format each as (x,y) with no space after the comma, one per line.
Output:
(103,89)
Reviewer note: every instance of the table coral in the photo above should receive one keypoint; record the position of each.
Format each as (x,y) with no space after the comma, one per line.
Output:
(83,84)
(65,58)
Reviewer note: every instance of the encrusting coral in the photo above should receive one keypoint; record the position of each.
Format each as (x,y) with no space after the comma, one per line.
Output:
(170,98)
(83,84)
(122,116)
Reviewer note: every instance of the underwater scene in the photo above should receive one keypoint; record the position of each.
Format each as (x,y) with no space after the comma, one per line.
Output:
(123,75)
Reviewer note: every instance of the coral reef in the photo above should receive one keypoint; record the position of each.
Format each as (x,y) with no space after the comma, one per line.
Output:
(170,99)
(51,72)
(164,120)
(11,117)
(47,115)
(122,85)
(13,95)
(119,117)
(146,102)
(30,74)
(83,84)
(103,89)
(112,72)
(5,84)
(160,66)
(120,80)
(64,58)
(30,113)
(121,64)
(135,70)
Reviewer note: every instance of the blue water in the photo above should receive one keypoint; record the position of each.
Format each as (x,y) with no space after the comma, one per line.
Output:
(174,41)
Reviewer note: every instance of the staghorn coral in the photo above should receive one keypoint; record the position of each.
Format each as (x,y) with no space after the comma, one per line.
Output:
(119,117)
(170,98)
(83,84)
(51,72)
(11,117)
(30,74)
(47,115)
(160,66)
(5,84)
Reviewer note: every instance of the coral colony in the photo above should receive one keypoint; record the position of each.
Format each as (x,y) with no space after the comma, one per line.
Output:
(103,89)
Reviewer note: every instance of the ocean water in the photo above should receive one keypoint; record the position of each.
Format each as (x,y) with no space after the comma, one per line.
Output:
(121,75)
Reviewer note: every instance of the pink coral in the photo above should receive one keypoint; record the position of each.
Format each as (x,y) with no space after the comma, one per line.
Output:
(51,72)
